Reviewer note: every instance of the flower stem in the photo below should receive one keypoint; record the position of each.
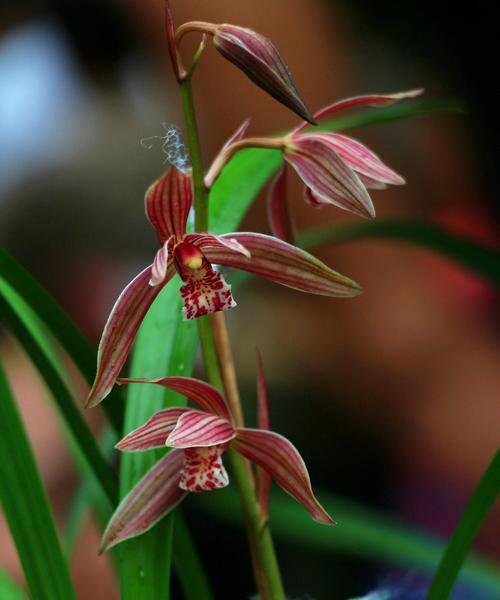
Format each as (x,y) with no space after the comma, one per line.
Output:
(217,354)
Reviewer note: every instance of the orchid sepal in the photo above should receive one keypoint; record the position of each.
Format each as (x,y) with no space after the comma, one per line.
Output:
(279,457)
(156,494)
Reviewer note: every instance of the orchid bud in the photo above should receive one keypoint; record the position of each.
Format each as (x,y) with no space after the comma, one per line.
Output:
(259,59)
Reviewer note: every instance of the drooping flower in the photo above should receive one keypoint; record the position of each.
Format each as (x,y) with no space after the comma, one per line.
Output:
(204,290)
(335,169)
(199,438)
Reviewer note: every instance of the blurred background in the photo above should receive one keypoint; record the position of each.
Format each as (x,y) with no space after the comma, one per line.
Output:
(392,397)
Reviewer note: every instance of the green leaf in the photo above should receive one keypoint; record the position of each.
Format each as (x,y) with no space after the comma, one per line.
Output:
(360,531)
(24,325)
(27,509)
(8,589)
(475,512)
(481,259)
(165,345)
(60,325)
(250,169)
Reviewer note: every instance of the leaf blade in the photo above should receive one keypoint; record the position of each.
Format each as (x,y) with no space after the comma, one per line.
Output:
(27,509)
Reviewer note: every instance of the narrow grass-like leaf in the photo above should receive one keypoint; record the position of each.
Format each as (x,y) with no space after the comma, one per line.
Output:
(27,509)
(19,319)
(250,169)
(8,589)
(89,496)
(360,532)
(481,259)
(479,506)
(60,325)
(165,345)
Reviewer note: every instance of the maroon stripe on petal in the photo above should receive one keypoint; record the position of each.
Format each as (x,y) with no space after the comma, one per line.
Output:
(120,331)
(156,494)
(283,263)
(279,457)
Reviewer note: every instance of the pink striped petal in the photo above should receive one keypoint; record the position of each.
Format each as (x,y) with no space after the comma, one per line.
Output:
(219,160)
(168,202)
(154,433)
(200,429)
(160,265)
(259,59)
(203,469)
(279,457)
(360,158)
(277,209)
(370,183)
(206,241)
(156,494)
(120,331)
(198,391)
(263,423)
(329,177)
(283,263)
(372,100)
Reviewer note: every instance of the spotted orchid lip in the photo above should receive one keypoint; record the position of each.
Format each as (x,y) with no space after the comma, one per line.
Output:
(199,439)
(205,290)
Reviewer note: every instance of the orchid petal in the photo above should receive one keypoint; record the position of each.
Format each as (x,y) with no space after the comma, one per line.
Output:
(168,202)
(160,266)
(200,429)
(360,158)
(156,494)
(370,183)
(327,174)
(154,433)
(216,166)
(206,241)
(279,457)
(259,59)
(120,331)
(263,422)
(277,208)
(372,100)
(203,469)
(198,391)
(285,264)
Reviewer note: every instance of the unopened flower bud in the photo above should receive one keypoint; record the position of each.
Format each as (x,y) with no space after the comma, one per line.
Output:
(259,59)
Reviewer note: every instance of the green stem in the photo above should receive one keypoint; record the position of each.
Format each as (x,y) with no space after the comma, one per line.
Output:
(474,514)
(201,220)
(265,564)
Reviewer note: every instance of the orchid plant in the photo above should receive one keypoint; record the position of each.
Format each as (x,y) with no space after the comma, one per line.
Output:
(171,450)
(336,170)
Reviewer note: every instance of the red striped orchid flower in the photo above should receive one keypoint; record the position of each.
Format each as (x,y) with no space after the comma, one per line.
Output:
(168,202)
(199,438)
(337,169)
